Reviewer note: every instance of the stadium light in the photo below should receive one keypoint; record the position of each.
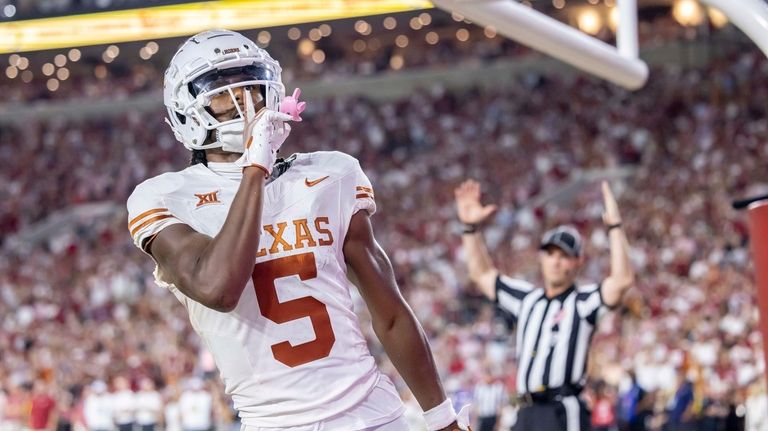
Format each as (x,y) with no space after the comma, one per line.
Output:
(688,13)
(613,19)
(717,17)
(589,21)
(183,20)
(74,54)
(9,11)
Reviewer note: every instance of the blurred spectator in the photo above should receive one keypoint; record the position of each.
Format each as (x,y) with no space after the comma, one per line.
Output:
(603,409)
(123,404)
(98,409)
(172,412)
(629,406)
(756,418)
(42,413)
(2,403)
(489,398)
(15,408)
(196,407)
(66,410)
(149,405)
(681,407)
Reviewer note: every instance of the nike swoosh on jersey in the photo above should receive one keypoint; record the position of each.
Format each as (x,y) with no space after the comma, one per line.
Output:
(313,182)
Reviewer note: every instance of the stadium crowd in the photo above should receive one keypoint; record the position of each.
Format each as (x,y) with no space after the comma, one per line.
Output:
(408,42)
(82,322)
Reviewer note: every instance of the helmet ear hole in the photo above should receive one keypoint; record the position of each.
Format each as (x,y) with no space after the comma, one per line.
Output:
(191,89)
(182,118)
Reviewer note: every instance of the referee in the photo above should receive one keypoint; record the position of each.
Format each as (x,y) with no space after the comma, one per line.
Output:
(554,322)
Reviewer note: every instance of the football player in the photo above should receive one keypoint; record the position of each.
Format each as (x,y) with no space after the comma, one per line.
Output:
(258,252)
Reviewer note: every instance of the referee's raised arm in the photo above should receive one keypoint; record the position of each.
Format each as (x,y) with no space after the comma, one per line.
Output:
(472,213)
(622,275)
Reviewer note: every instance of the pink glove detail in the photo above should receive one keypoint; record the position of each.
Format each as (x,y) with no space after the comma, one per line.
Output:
(291,105)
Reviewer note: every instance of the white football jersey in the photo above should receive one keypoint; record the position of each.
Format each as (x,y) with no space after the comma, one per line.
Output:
(291,352)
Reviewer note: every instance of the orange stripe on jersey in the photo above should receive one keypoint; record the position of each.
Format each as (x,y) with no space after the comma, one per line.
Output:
(144,214)
(363,196)
(364,189)
(149,222)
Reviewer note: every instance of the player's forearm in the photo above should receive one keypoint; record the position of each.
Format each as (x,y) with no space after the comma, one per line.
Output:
(226,264)
(408,349)
(479,262)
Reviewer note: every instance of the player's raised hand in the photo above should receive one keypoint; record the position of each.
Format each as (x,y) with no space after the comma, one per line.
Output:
(611,215)
(470,210)
(263,134)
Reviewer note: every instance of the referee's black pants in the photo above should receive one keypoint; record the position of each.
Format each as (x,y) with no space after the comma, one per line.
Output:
(568,414)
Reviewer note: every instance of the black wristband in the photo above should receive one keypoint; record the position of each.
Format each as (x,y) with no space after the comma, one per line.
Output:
(470,228)
(612,226)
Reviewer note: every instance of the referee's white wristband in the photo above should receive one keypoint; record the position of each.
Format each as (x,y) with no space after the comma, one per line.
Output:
(440,416)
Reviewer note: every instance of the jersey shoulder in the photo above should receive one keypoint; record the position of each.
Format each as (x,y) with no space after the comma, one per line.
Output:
(148,212)
(334,163)
(154,189)
(342,170)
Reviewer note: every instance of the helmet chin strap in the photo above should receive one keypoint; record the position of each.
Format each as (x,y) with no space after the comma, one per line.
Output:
(230,136)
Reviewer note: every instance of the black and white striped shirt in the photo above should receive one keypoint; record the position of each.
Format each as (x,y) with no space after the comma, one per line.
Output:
(553,334)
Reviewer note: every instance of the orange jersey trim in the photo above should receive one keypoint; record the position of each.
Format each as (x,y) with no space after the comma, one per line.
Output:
(149,221)
(364,189)
(363,196)
(144,214)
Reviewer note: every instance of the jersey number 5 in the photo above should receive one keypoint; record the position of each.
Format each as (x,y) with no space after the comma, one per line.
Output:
(264,276)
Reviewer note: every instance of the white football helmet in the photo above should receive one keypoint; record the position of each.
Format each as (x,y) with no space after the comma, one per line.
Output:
(208,64)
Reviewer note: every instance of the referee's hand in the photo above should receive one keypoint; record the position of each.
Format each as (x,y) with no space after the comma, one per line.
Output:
(471,211)
(611,215)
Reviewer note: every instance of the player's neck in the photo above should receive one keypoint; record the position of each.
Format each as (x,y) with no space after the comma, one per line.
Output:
(219,156)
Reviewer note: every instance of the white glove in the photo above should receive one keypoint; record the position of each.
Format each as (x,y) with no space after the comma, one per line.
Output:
(263,134)
(462,418)
(443,415)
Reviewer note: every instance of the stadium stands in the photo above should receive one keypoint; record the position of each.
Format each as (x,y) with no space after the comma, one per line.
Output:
(82,308)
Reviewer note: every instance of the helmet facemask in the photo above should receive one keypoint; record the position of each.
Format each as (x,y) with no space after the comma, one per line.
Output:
(220,92)
(204,80)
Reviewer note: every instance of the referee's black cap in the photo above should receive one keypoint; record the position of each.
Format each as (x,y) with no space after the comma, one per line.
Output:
(565,238)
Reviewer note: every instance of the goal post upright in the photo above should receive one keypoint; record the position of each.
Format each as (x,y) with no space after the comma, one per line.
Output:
(550,36)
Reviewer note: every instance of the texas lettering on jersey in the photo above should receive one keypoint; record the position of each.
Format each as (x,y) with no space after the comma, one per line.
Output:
(291,352)
(294,235)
